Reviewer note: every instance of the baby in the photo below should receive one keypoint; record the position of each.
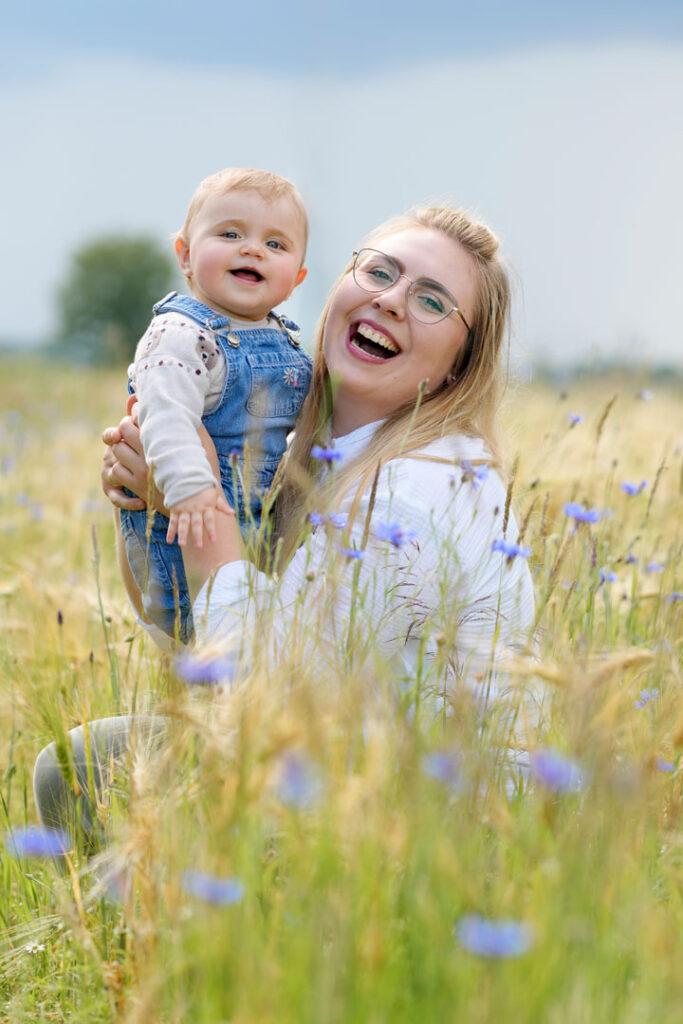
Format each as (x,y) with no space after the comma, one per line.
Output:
(220,357)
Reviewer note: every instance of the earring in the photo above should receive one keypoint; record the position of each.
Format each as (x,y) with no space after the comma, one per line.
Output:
(450,379)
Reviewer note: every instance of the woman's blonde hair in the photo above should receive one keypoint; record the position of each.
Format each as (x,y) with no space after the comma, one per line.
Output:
(468,405)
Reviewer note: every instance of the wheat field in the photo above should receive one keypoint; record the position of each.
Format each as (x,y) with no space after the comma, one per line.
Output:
(280,860)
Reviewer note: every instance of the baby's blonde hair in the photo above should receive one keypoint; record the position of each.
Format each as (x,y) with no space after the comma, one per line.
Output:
(468,405)
(245,179)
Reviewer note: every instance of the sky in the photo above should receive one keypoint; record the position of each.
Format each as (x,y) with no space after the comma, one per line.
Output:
(558,125)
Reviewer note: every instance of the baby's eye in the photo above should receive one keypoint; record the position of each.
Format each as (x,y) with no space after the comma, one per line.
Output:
(273,243)
(229,234)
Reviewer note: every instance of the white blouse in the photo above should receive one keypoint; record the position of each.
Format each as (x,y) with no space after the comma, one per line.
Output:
(413,581)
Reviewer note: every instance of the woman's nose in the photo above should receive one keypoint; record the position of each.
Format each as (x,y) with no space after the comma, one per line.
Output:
(393,299)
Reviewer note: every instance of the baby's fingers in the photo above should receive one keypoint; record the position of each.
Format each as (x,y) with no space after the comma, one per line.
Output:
(172,528)
(224,505)
(197,529)
(210,524)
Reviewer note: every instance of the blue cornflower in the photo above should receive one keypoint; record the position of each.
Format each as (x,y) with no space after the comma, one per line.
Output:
(645,396)
(194,670)
(607,576)
(444,767)
(676,595)
(645,697)
(574,418)
(581,514)
(556,772)
(353,554)
(222,892)
(510,550)
(493,938)
(394,533)
(633,488)
(475,474)
(664,766)
(326,454)
(36,841)
(655,567)
(339,519)
(631,559)
(299,784)
(317,518)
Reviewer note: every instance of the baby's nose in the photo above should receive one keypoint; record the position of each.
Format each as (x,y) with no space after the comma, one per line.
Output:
(252,247)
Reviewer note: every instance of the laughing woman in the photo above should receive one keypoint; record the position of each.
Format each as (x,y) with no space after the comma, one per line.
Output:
(398,556)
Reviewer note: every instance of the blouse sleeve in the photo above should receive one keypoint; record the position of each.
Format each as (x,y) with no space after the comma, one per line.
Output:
(412,577)
(175,370)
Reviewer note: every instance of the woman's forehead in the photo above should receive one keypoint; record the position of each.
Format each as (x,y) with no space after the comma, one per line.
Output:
(427,253)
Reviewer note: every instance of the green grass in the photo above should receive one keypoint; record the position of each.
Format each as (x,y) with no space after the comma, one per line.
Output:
(350,902)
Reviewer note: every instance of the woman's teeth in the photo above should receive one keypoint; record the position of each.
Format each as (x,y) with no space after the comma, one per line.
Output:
(369,340)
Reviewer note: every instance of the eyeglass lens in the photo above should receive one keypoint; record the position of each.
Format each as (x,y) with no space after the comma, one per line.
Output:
(375,272)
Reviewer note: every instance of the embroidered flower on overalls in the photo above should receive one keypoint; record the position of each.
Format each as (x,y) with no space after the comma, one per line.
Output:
(291,376)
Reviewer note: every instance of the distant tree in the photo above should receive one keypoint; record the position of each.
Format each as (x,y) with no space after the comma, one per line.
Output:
(105,302)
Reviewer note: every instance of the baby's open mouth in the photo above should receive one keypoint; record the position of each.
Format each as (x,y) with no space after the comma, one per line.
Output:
(373,343)
(245,274)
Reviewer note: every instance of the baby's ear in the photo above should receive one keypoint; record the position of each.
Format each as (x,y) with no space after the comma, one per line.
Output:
(182,251)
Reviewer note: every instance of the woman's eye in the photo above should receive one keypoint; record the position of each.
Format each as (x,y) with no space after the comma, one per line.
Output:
(431,302)
(379,274)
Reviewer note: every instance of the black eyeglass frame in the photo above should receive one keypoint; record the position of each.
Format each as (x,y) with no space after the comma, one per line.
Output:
(376,291)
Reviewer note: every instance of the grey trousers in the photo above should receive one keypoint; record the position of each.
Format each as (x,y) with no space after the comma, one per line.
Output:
(72,805)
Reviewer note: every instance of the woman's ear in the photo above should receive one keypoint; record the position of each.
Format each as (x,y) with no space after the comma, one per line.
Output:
(182,251)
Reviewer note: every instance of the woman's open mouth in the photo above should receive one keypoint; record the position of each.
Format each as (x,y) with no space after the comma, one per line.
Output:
(372,342)
(247,274)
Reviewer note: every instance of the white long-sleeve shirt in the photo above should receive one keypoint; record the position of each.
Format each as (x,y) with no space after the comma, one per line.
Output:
(441,589)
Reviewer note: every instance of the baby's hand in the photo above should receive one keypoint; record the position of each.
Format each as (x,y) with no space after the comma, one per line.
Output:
(197,514)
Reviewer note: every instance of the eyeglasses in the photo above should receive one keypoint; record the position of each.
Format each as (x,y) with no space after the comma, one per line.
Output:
(427,301)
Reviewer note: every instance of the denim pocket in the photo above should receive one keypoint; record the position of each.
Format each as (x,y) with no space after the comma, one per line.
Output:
(279,383)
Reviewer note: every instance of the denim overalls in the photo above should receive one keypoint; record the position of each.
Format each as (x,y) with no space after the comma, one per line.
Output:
(267,378)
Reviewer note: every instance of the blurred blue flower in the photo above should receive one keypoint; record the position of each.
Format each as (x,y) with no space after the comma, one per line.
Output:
(7,464)
(353,554)
(316,518)
(394,533)
(299,784)
(633,488)
(574,418)
(607,576)
(340,520)
(195,670)
(37,512)
(645,396)
(36,841)
(645,697)
(222,892)
(326,454)
(510,550)
(581,514)
(664,766)
(631,559)
(655,567)
(556,772)
(443,766)
(23,499)
(475,474)
(676,595)
(493,938)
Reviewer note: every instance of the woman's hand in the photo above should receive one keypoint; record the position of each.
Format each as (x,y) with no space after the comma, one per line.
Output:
(124,465)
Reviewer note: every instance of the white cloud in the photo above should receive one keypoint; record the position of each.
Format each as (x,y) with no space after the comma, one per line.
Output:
(573,156)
